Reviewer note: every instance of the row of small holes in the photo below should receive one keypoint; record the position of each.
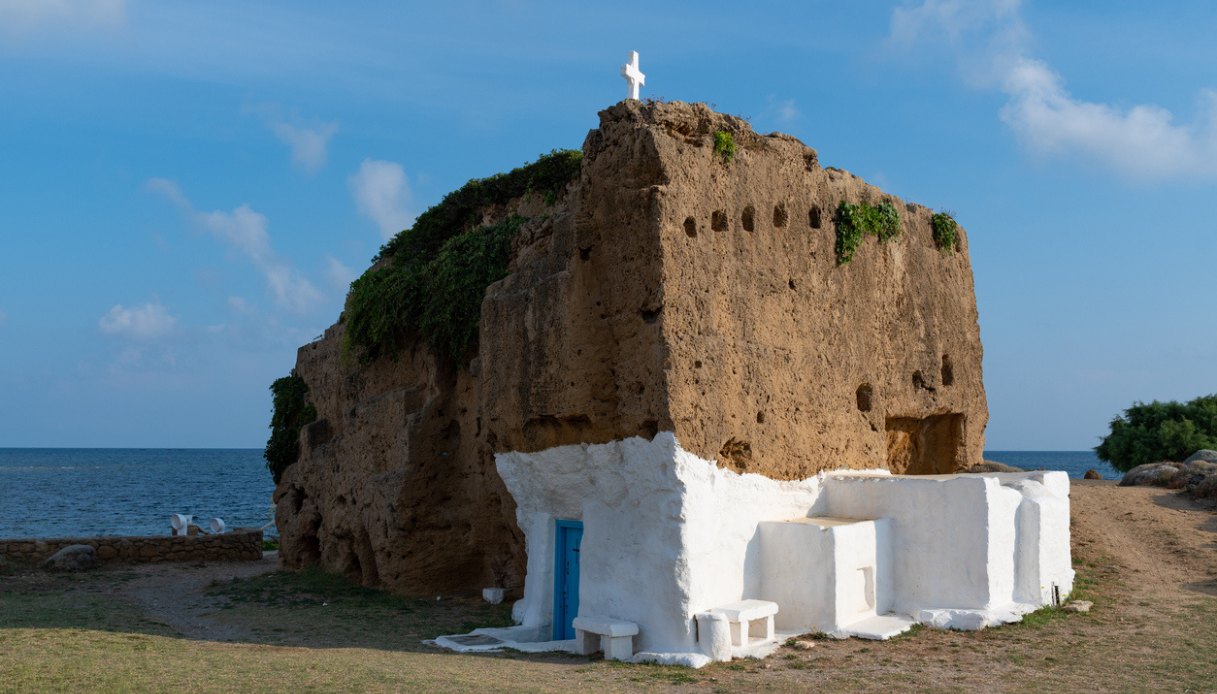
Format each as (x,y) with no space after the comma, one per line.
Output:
(718,219)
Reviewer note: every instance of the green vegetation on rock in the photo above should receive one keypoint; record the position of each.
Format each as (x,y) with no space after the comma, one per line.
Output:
(433,287)
(1149,433)
(289,416)
(462,208)
(855,222)
(724,146)
(946,231)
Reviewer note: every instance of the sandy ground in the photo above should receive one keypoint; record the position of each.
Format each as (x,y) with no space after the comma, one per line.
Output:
(1163,543)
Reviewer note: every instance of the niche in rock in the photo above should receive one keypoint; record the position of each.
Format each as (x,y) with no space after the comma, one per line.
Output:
(779,216)
(814,218)
(924,445)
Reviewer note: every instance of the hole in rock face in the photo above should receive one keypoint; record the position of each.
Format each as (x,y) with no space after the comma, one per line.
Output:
(691,227)
(865,396)
(650,315)
(648,429)
(779,216)
(948,371)
(814,217)
(790,283)
(736,455)
(760,417)
(718,220)
(919,382)
(749,218)
(697,364)
(585,253)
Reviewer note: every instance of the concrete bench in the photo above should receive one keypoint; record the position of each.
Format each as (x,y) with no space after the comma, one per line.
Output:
(614,637)
(741,615)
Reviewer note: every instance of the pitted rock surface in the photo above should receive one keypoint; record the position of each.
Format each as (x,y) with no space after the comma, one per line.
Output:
(665,290)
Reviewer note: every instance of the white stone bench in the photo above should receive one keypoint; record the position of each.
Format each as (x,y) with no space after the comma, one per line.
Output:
(743,614)
(614,637)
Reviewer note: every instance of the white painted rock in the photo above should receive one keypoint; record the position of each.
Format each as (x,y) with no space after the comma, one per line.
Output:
(1079,606)
(72,558)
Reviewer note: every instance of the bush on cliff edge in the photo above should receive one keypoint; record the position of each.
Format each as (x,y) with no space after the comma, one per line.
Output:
(441,266)
(290,414)
(1148,433)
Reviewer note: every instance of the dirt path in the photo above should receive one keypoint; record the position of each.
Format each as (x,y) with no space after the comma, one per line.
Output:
(1163,544)
(176,595)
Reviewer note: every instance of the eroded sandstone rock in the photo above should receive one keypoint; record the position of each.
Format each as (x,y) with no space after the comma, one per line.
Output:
(666,290)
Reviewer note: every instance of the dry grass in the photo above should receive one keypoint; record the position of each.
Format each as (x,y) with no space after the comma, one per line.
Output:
(122,630)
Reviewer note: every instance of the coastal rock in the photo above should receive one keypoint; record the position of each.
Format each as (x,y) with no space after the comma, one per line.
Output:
(993,466)
(1203,455)
(72,558)
(1152,474)
(664,290)
(1092,474)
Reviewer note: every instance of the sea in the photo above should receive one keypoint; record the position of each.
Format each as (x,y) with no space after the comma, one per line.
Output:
(78,492)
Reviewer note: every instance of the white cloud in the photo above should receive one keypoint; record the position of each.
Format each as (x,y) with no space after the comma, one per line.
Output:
(339,274)
(238,304)
(246,230)
(991,42)
(383,195)
(308,145)
(783,111)
(26,13)
(147,322)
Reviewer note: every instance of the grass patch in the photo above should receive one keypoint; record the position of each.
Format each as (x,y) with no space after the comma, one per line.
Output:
(856,221)
(283,605)
(724,146)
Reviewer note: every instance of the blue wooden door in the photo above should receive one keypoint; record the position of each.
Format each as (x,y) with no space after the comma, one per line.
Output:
(566,577)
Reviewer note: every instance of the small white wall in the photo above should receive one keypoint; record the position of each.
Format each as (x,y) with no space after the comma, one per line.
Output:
(825,573)
(965,541)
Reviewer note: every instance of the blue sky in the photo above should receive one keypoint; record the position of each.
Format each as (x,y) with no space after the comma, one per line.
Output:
(189,187)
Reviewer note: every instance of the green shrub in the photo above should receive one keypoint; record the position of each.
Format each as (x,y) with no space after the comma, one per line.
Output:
(854,222)
(946,231)
(290,414)
(442,265)
(462,208)
(1160,431)
(436,298)
(724,146)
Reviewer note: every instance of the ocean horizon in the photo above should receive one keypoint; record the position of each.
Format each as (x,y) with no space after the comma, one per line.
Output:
(82,492)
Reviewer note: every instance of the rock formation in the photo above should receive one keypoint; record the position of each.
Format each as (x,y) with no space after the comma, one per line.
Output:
(670,287)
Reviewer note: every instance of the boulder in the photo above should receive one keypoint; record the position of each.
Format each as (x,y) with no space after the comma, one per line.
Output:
(1152,474)
(72,558)
(1092,474)
(1202,455)
(1079,606)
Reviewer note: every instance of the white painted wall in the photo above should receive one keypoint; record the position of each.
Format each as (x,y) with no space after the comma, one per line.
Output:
(668,535)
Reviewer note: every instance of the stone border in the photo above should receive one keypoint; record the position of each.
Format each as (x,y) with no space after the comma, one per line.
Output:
(241,544)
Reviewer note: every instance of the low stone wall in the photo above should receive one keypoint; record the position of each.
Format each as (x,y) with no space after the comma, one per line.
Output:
(237,545)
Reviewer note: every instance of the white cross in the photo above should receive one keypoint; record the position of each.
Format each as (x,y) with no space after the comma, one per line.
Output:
(633,75)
